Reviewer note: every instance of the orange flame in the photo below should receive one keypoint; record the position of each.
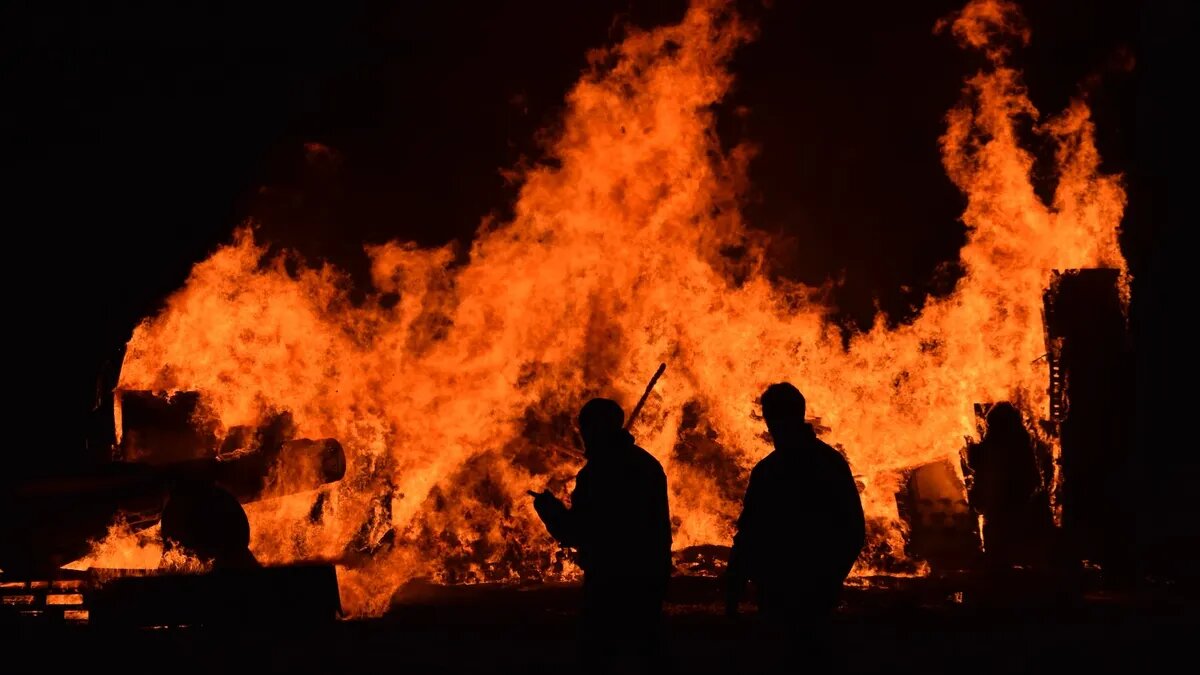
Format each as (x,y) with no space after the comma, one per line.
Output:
(455,400)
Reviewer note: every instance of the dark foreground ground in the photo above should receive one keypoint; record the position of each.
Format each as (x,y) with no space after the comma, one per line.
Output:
(891,625)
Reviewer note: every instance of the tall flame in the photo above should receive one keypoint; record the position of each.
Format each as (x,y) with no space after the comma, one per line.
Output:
(457,398)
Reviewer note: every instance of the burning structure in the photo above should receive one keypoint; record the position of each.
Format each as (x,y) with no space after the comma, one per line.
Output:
(451,387)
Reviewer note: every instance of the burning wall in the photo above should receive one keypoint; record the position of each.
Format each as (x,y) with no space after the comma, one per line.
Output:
(452,388)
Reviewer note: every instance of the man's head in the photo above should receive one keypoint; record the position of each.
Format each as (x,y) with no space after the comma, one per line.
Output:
(600,423)
(783,410)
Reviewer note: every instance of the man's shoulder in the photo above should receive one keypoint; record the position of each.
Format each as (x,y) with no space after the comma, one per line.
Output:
(831,456)
(649,461)
(774,461)
(820,453)
(827,449)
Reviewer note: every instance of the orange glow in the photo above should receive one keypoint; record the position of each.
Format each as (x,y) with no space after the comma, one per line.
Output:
(454,401)
(64,599)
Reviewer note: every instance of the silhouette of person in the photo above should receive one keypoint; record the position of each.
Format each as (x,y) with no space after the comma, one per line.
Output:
(802,526)
(620,525)
(1006,490)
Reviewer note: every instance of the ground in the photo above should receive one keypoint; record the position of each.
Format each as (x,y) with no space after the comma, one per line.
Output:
(890,625)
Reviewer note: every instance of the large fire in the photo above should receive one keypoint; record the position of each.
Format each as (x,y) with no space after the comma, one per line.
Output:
(454,400)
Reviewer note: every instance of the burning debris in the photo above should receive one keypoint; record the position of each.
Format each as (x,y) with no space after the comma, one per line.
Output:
(167,456)
(943,530)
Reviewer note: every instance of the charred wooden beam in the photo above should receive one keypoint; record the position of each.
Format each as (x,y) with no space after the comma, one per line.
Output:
(1093,382)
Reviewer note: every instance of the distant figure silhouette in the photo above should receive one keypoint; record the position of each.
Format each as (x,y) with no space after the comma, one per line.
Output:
(1006,490)
(620,525)
(801,527)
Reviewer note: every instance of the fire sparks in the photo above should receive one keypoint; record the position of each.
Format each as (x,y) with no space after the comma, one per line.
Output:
(454,400)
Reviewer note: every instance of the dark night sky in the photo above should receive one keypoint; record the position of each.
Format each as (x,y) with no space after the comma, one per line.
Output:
(142,134)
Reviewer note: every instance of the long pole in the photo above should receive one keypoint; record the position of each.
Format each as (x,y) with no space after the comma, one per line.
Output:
(662,367)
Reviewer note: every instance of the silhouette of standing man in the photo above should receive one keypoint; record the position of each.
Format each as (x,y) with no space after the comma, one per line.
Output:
(619,523)
(801,527)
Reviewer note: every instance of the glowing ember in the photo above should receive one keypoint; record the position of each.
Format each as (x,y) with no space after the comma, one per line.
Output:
(455,400)
(64,599)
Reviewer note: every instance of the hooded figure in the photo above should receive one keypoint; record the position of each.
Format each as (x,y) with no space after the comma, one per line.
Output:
(1007,490)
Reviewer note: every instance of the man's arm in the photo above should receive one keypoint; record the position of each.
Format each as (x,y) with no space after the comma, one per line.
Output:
(850,513)
(744,545)
(556,516)
(564,524)
(663,513)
